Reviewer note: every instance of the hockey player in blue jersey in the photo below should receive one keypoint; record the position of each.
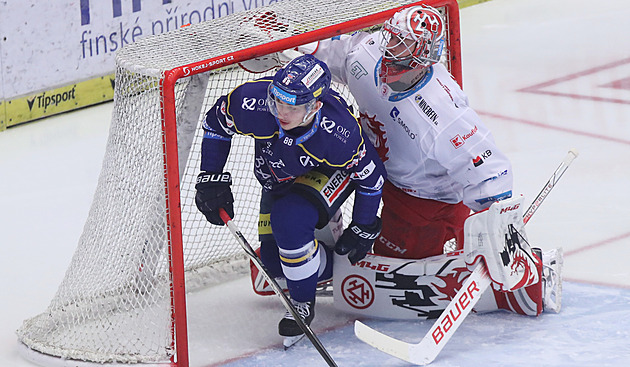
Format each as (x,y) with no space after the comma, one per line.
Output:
(310,154)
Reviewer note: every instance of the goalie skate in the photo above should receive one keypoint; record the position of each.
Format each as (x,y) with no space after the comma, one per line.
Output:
(552,280)
(290,329)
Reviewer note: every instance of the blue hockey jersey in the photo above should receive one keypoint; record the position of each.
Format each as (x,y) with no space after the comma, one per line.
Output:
(334,140)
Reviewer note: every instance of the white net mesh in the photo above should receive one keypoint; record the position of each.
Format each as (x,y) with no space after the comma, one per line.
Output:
(114,304)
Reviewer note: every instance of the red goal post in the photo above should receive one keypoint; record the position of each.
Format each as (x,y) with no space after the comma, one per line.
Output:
(144,243)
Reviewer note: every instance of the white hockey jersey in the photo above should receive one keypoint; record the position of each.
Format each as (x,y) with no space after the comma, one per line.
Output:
(433,145)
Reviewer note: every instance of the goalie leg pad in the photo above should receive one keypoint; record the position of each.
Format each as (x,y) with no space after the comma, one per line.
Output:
(394,288)
(526,301)
(407,289)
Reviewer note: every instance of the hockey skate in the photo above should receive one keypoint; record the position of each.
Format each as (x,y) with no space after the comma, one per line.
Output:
(290,329)
(552,280)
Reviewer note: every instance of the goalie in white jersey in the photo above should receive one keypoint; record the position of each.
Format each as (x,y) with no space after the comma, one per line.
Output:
(442,161)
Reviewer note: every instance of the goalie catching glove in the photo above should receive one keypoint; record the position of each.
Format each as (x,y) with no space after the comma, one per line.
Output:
(497,236)
(357,240)
(214,193)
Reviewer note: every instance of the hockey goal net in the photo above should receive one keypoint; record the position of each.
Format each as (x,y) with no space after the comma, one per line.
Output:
(144,243)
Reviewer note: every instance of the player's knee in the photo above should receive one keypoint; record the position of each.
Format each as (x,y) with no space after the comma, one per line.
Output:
(293,220)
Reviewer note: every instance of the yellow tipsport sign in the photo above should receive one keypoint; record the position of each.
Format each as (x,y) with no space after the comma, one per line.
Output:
(55,101)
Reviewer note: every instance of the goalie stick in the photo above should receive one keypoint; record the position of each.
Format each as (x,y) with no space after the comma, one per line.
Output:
(555,177)
(276,288)
(429,347)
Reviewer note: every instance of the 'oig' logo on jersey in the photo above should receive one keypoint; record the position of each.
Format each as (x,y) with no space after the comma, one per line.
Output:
(338,131)
(248,104)
(252,104)
(327,125)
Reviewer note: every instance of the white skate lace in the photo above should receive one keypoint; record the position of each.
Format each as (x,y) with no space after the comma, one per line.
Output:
(302,308)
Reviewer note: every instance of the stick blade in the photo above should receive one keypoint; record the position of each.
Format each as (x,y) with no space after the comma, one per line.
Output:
(383,342)
(430,346)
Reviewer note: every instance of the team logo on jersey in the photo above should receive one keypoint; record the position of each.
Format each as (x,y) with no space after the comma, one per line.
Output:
(357,70)
(378,135)
(459,140)
(424,106)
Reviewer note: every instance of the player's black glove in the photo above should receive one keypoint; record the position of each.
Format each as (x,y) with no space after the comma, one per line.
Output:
(357,240)
(214,193)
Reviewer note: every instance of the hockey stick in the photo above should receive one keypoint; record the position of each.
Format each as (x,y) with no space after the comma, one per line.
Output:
(276,288)
(452,317)
(555,177)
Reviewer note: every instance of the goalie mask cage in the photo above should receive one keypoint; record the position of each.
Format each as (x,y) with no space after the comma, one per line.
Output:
(123,296)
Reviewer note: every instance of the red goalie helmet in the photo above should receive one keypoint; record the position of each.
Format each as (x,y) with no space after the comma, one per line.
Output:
(412,39)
